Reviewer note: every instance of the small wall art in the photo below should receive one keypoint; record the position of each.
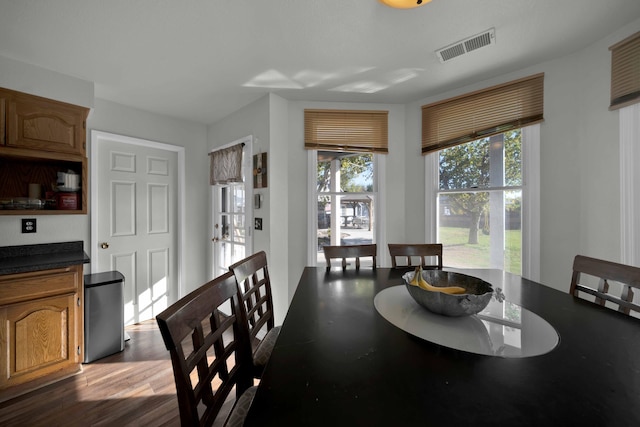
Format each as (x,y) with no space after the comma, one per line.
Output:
(260,170)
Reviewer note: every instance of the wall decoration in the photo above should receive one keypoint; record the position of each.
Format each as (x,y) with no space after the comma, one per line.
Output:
(260,170)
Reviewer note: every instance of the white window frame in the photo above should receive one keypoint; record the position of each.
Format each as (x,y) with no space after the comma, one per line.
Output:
(379,232)
(530,200)
(629,184)
(247,167)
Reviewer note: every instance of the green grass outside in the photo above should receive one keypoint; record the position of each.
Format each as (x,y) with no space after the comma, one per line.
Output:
(458,253)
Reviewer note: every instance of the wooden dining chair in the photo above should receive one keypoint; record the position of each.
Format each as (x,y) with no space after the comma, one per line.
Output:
(210,353)
(402,254)
(349,251)
(254,287)
(606,271)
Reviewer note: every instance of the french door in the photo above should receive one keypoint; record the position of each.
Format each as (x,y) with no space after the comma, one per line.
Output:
(233,216)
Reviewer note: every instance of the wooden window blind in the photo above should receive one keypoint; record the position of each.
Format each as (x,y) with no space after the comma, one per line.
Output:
(625,72)
(346,130)
(483,113)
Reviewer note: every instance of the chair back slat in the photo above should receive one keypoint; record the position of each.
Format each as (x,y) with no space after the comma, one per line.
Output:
(210,351)
(402,254)
(606,271)
(350,251)
(254,286)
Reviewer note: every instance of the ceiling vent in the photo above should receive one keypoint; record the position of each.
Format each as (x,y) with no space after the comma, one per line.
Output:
(467,45)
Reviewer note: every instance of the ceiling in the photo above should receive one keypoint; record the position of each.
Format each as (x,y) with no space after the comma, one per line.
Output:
(201,60)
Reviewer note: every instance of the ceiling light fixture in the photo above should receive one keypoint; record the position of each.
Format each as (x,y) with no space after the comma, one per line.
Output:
(404,4)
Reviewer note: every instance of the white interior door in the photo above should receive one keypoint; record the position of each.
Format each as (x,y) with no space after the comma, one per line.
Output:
(136,222)
(232,216)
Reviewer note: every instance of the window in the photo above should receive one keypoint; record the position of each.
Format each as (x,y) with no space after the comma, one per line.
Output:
(479,202)
(625,96)
(625,79)
(345,199)
(482,167)
(344,164)
(629,184)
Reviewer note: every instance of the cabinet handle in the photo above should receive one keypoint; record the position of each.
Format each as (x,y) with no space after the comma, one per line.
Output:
(78,302)
(78,350)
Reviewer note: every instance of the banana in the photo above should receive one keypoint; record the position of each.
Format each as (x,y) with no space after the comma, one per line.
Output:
(456,290)
(418,274)
(419,281)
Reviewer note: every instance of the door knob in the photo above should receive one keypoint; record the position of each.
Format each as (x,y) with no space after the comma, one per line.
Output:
(104,245)
(215,239)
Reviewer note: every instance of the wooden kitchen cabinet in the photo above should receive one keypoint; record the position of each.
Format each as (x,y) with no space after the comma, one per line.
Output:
(42,328)
(44,124)
(38,138)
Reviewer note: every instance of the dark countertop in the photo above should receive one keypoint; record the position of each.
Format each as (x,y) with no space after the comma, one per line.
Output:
(24,258)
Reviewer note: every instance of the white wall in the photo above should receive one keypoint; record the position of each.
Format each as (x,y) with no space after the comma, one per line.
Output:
(110,117)
(580,202)
(393,213)
(16,75)
(119,119)
(267,120)
(255,119)
(580,189)
(27,78)
(278,125)
(392,216)
(280,208)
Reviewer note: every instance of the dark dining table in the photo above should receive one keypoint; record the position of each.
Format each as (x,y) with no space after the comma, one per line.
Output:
(338,362)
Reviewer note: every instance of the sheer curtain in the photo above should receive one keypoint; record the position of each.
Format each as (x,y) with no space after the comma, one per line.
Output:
(226,165)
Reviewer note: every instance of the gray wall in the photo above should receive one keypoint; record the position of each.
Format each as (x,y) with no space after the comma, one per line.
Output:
(119,119)
(110,117)
(580,188)
(579,178)
(580,201)
(278,125)
(266,120)
(27,78)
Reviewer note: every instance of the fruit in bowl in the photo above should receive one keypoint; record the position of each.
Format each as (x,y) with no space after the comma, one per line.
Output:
(448,293)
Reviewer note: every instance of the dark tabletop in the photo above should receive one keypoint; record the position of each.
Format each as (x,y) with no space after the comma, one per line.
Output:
(338,362)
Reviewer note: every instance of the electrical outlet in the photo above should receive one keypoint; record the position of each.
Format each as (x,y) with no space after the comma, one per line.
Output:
(28,225)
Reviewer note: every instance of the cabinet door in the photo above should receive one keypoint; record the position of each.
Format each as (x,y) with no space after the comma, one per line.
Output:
(40,338)
(44,124)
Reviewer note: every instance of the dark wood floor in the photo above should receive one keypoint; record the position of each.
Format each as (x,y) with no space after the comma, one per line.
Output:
(131,388)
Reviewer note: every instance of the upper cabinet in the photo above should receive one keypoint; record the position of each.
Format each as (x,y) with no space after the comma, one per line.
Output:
(43,124)
(39,139)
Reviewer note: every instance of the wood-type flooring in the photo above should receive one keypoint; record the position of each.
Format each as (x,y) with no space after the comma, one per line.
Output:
(131,388)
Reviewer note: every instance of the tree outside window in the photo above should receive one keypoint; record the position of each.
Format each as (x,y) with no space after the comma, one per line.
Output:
(345,198)
(480,202)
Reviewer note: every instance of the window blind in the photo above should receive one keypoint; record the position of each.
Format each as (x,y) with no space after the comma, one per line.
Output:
(346,130)
(482,113)
(225,165)
(625,72)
